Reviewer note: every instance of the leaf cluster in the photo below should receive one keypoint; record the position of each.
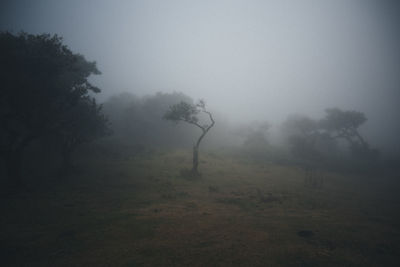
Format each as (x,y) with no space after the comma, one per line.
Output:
(44,85)
(336,119)
(182,111)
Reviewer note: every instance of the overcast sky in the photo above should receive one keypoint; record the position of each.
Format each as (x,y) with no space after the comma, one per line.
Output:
(248,59)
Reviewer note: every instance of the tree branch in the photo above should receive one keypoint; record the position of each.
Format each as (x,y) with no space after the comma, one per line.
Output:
(194,123)
(211,118)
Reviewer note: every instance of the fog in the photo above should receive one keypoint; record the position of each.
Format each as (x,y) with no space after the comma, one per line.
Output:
(199,133)
(250,60)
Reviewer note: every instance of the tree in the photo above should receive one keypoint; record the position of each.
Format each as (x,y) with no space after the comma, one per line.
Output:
(344,125)
(255,142)
(188,113)
(302,135)
(41,82)
(138,120)
(83,123)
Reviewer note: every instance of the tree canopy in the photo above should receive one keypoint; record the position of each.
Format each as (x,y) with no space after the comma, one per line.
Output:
(311,139)
(42,82)
(344,124)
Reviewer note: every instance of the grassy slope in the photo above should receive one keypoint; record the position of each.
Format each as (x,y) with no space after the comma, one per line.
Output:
(141,212)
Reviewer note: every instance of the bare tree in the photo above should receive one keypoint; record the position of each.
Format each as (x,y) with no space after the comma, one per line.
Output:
(188,113)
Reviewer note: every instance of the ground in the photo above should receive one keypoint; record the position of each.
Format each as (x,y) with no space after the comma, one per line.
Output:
(141,211)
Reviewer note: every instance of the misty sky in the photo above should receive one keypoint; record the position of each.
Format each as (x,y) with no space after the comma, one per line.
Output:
(248,59)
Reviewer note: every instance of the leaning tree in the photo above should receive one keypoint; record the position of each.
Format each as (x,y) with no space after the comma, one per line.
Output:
(42,81)
(345,124)
(189,113)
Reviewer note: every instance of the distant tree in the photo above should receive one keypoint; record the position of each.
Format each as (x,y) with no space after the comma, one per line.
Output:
(41,82)
(254,133)
(139,120)
(188,113)
(302,135)
(344,125)
(255,138)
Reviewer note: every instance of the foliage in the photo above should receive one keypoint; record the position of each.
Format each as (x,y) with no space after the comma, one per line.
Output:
(138,120)
(92,124)
(302,135)
(345,125)
(182,112)
(42,83)
(315,140)
(336,119)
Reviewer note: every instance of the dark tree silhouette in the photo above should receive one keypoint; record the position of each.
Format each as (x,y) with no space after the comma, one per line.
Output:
(188,113)
(83,123)
(344,125)
(41,82)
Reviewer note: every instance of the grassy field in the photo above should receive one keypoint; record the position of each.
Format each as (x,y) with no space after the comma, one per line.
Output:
(140,211)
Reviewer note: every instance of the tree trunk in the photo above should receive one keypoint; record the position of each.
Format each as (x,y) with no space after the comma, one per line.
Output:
(195,159)
(204,130)
(361,140)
